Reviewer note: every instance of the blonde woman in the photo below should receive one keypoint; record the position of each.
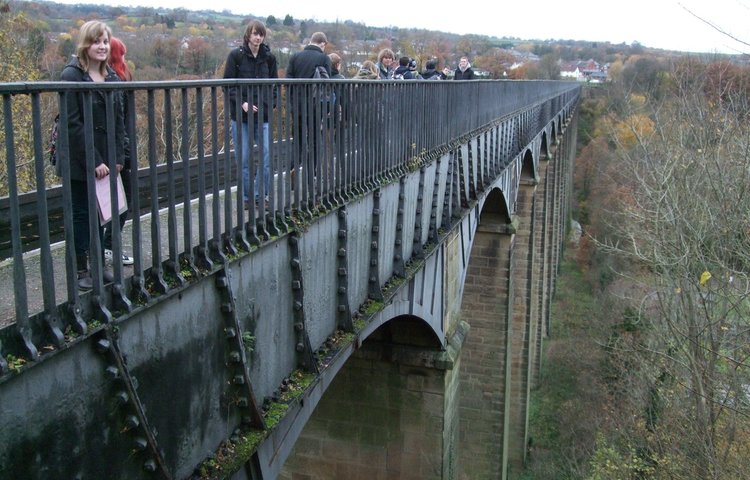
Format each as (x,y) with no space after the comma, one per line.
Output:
(89,64)
(368,71)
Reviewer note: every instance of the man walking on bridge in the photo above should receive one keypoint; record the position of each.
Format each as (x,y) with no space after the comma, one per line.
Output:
(312,62)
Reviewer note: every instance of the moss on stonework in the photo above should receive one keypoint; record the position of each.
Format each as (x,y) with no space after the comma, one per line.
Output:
(231,456)
(298,383)
(393,285)
(359,324)
(371,307)
(235,452)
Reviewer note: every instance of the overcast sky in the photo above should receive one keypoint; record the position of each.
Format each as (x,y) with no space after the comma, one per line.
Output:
(663,24)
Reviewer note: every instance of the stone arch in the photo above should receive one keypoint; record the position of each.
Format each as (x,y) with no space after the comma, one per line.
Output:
(495,207)
(384,414)
(543,149)
(528,169)
(553,134)
(411,309)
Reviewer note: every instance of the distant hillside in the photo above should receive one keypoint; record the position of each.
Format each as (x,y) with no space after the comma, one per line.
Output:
(175,43)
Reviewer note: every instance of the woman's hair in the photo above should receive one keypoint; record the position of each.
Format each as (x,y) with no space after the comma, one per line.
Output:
(368,70)
(335,59)
(89,34)
(256,25)
(117,53)
(386,53)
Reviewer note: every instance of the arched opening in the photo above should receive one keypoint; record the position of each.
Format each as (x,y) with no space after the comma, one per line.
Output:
(495,208)
(528,172)
(554,133)
(383,416)
(543,150)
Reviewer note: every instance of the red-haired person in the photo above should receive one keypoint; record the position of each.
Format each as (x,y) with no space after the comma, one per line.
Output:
(119,65)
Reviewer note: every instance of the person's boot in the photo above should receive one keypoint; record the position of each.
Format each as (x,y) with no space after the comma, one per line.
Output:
(85,282)
(108,275)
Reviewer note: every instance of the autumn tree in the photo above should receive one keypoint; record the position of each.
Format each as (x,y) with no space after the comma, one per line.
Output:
(166,53)
(195,56)
(16,33)
(66,45)
(683,193)
(497,62)
(549,67)
(644,74)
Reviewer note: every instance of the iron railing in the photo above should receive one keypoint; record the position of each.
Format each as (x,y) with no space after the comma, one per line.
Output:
(354,135)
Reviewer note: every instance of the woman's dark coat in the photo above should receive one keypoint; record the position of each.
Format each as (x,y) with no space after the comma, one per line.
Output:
(73,72)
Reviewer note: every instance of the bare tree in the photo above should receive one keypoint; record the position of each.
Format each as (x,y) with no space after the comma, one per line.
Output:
(684,198)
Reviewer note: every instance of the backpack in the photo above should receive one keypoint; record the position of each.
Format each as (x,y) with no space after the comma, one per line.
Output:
(52,143)
(320,72)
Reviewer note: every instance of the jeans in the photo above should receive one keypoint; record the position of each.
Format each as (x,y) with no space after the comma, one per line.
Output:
(246,146)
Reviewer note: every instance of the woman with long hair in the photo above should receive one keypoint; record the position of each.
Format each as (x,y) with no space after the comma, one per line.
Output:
(90,64)
(117,59)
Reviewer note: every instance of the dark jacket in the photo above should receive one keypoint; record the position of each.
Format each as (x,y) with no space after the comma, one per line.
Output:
(403,72)
(242,64)
(303,64)
(73,72)
(433,74)
(467,74)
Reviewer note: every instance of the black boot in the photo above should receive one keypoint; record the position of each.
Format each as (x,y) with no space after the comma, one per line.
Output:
(85,282)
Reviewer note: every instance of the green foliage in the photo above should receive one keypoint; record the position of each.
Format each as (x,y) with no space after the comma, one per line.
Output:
(248,340)
(65,46)
(16,35)
(15,363)
(608,463)
(564,408)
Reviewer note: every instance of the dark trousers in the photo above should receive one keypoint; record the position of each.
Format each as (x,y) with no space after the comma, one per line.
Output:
(306,135)
(81,238)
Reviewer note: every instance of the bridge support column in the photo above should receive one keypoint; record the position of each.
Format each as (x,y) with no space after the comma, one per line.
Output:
(524,329)
(485,370)
(541,290)
(391,412)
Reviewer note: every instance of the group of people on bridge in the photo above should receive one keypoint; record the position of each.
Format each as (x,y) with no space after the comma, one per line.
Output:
(100,57)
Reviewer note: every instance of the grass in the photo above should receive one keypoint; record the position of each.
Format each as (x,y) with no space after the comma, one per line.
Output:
(563,407)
